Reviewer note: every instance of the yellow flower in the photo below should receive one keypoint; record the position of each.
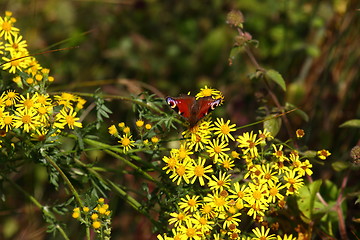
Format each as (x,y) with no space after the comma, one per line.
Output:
(227,163)
(223,130)
(16,63)
(27,102)
(199,171)
(126,142)
(218,200)
(16,44)
(171,162)
(248,144)
(323,154)
(209,92)
(300,133)
(279,154)
(155,139)
(75,215)
(178,219)
(217,150)
(263,234)
(102,210)
(112,130)
(67,116)
(94,216)
(7,121)
(148,126)
(189,204)
(27,119)
(126,130)
(219,183)
(293,182)
(202,223)
(139,123)
(7,29)
(180,172)
(96,224)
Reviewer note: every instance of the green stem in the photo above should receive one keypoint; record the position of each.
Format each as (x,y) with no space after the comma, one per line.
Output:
(44,210)
(135,204)
(106,148)
(71,187)
(132,202)
(129,99)
(66,179)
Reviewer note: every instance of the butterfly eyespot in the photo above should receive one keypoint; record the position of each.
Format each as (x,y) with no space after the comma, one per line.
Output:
(215,104)
(171,102)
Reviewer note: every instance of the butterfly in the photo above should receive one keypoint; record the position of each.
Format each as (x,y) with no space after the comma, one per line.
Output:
(191,109)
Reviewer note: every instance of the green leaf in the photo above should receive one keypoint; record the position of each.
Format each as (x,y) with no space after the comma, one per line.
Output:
(340,165)
(272,125)
(355,123)
(276,77)
(301,113)
(306,200)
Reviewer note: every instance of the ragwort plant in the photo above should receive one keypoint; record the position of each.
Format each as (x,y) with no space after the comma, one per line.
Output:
(212,182)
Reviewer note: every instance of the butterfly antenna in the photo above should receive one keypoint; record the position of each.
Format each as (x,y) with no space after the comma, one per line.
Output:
(40,53)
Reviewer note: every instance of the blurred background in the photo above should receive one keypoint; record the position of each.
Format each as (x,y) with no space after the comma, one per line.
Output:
(173,47)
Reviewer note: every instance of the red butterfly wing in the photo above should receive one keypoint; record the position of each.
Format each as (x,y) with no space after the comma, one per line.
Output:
(182,105)
(193,110)
(204,106)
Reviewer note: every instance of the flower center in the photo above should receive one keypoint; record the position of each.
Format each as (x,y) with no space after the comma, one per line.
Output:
(257,195)
(207,92)
(8,120)
(6,26)
(26,119)
(217,149)
(199,171)
(180,170)
(28,103)
(42,110)
(70,120)
(191,202)
(225,129)
(125,141)
(273,191)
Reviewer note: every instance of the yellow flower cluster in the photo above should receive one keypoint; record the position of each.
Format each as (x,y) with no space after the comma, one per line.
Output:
(15,57)
(227,183)
(123,133)
(34,114)
(98,217)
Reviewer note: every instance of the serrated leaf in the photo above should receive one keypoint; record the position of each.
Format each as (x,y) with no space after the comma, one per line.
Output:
(272,125)
(276,77)
(355,123)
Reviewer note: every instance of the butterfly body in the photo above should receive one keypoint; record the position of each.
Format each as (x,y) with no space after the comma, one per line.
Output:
(191,109)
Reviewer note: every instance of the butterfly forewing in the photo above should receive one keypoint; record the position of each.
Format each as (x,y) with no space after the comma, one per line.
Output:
(182,105)
(205,106)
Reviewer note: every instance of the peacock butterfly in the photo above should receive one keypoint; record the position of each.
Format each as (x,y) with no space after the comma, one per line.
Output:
(191,109)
